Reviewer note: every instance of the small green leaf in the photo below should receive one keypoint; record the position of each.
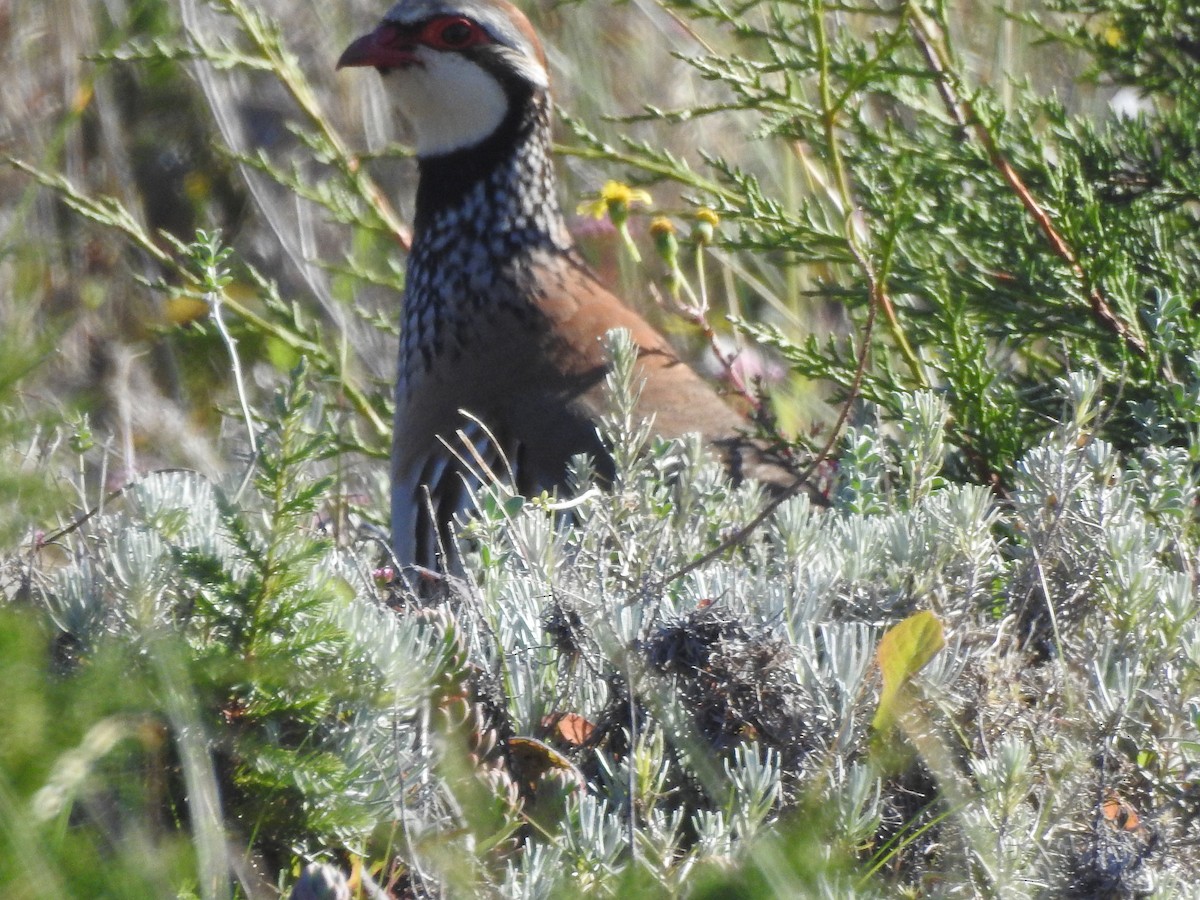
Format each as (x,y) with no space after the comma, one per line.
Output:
(903,651)
(283,356)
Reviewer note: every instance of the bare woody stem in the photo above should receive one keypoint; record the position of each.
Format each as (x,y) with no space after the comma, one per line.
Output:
(929,38)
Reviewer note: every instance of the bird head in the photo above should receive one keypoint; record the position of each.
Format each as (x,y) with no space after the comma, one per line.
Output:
(455,68)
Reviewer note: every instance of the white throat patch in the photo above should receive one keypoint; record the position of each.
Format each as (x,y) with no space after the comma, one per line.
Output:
(451,102)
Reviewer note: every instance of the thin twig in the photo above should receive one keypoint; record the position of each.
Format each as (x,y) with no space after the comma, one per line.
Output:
(112,214)
(880,302)
(285,67)
(927,35)
(829,114)
(108,498)
(214,299)
(695,316)
(801,482)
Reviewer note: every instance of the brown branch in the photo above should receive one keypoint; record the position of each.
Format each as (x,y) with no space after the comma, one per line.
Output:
(801,483)
(926,34)
(78,523)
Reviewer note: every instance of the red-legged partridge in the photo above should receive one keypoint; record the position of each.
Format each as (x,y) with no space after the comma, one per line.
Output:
(502,319)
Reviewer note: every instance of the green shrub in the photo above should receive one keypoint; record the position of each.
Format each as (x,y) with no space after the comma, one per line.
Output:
(214,682)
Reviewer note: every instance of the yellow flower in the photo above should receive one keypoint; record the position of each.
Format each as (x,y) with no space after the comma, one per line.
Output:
(619,192)
(615,200)
(661,225)
(197,186)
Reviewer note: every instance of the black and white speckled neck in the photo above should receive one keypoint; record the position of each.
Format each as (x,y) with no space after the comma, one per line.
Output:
(481,213)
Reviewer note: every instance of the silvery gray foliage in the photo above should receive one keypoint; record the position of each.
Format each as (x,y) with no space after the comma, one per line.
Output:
(746,689)
(170,537)
(122,582)
(1100,542)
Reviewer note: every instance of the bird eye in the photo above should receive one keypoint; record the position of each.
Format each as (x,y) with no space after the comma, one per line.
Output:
(453,34)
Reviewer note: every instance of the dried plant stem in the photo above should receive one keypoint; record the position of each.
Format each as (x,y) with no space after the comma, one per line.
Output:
(111,213)
(695,313)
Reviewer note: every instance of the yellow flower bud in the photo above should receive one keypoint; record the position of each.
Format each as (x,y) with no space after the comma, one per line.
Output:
(662,230)
(705,227)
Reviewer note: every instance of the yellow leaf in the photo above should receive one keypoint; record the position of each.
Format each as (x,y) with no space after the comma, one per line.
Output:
(83,98)
(903,651)
(182,309)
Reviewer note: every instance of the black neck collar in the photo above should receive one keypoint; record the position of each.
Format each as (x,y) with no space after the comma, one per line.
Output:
(446,177)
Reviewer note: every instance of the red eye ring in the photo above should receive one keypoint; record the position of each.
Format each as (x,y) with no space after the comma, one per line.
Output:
(452,33)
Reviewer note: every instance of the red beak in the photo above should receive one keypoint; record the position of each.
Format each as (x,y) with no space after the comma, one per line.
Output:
(382,48)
